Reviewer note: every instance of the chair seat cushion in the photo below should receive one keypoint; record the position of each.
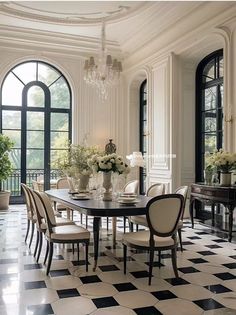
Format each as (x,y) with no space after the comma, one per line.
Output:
(139,219)
(59,221)
(141,238)
(69,232)
(180,224)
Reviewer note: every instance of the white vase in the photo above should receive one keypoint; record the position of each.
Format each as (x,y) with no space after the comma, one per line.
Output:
(107,185)
(225,179)
(83,182)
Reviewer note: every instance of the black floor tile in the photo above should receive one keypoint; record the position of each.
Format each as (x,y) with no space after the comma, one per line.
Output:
(8,261)
(188,270)
(234,256)
(58,257)
(164,295)
(140,274)
(66,293)
(32,266)
(164,256)
(109,268)
(225,276)
(176,281)
(206,253)
(217,288)
(105,302)
(219,240)
(198,260)
(194,237)
(213,246)
(127,286)
(201,233)
(149,310)
(188,243)
(208,304)
(230,265)
(59,273)
(155,264)
(43,309)
(35,285)
(79,263)
(90,279)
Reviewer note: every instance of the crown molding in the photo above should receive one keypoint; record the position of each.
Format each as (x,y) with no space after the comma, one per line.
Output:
(69,44)
(27,11)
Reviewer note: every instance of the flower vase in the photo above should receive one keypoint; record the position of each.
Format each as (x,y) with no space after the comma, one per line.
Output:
(83,182)
(225,179)
(107,185)
(208,176)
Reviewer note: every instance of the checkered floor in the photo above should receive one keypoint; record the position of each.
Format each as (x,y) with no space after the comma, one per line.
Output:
(207,283)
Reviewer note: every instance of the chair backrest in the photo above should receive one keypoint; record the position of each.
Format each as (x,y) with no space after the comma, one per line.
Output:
(35,185)
(131,187)
(47,208)
(182,190)
(62,183)
(156,189)
(163,214)
(27,200)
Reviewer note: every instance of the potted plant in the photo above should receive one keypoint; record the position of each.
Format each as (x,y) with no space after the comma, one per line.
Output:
(5,169)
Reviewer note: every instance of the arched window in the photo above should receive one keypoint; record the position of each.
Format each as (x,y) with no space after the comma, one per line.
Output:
(36,115)
(209,108)
(143,133)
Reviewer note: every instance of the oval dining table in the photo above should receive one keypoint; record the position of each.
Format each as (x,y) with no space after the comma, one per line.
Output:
(97,208)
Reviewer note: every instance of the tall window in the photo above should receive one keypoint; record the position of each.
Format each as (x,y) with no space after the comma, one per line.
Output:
(36,115)
(209,108)
(143,133)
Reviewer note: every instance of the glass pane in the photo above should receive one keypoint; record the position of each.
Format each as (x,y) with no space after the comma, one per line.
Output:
(210,143)
(55,155)
(59,140)
(12,84)
(35,120)
(34,159)
(210,121)
(35,97)
(15,136)
(209,71)
(46,74)
(60,95)
(26,72)
(210,98)
(221,67)
(15,157)
(35,139)
(222,95)
(11,119)
(59,121)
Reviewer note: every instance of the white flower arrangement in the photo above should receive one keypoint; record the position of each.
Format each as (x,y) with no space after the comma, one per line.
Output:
(111,162)
(221,160)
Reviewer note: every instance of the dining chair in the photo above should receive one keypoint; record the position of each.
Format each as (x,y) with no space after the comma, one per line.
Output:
(67,234)
(36,185)
(182,190)
(154,190)
(62,183)
(30,215)
(163,215)
(40,220)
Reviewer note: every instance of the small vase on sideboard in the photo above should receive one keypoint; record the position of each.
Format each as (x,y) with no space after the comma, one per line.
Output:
(225,179)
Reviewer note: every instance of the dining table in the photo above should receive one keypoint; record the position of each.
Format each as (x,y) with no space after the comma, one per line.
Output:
(97,208)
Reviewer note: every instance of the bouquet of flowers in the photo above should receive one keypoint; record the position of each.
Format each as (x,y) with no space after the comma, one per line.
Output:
(221,160)
(111,162)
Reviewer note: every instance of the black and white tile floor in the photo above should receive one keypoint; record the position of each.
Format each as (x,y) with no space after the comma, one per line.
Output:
(207,283)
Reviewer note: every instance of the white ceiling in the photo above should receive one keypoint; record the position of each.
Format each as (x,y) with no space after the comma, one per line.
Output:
(129,24)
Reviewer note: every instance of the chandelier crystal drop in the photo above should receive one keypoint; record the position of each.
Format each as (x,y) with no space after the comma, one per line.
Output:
(106,72)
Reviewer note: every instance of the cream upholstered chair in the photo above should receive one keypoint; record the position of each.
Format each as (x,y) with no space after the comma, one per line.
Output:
(31,218)
(154,190)
(62,183)
(72,234)
(183,190)
(163,215)
(35,185)
(40,219)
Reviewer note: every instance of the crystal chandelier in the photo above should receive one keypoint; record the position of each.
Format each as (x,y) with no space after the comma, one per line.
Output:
(106,72)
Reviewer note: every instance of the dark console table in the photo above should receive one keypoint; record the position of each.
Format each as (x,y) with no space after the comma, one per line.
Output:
(214,194)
